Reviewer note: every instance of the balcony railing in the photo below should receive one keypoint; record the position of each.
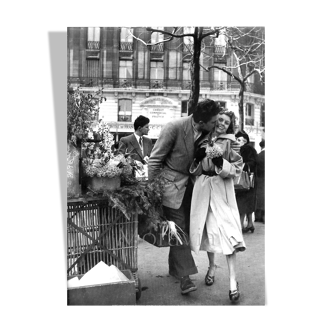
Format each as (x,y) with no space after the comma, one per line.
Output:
(219,49)
(126,46)
(124,118)
(93,45)
(124,83)
(157,48)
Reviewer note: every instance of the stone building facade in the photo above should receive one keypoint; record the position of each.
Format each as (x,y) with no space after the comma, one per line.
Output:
(153,81)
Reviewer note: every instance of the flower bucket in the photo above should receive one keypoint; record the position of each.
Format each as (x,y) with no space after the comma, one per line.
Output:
(96,183)
(73,157)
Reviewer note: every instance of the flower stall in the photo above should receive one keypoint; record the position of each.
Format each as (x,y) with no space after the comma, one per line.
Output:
(82,110)
(109,203)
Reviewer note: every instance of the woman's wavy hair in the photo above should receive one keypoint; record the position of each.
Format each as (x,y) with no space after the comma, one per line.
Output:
(231,128)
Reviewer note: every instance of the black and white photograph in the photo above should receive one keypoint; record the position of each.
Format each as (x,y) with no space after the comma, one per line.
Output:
(165,165)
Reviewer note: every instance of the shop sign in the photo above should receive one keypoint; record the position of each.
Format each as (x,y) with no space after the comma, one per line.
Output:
(159,109)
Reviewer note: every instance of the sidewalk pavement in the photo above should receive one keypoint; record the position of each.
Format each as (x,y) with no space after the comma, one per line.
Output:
(159,288)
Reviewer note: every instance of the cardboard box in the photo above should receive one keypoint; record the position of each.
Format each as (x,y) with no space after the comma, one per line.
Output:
(117,293)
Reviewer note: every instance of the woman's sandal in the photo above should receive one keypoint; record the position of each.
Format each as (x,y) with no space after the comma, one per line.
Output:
(209,280)
(235,294)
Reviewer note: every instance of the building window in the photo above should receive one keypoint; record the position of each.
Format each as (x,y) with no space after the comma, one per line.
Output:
(204,75)
(126,69)
(126,39)
(157,36)
(249,116)
(124,110)
(156,70)
(186,71)
(184,108)
(187,39)
(125,35)
(220,44)
(93,38)
(173,66)
(220,79)
(262,122)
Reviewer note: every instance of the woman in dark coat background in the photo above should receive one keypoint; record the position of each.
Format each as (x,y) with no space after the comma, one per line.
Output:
(246,200)
(260,185)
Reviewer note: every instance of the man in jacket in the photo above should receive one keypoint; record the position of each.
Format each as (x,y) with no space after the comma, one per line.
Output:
(136,144)
(173,154)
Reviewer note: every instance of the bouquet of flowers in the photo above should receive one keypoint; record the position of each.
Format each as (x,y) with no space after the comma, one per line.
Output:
(213,150)
(100,158)
(82,110)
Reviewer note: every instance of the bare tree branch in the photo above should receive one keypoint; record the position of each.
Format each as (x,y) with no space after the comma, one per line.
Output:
(149,44)
(214,32)
(224,70)
(172,34)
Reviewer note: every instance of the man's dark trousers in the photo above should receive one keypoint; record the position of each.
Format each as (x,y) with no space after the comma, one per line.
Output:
(180,260)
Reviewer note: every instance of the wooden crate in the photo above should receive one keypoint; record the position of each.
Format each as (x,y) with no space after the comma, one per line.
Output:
(117,293)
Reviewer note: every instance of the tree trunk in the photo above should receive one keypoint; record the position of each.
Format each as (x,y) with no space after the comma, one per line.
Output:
(194,71)
(241,113)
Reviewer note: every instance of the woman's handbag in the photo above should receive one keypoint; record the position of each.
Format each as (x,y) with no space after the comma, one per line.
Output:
(251,178)
(242,181)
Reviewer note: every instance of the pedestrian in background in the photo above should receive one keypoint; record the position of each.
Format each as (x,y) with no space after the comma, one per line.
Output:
(260,185)
(246,199)
(215,225)
(173,154)
(136,144)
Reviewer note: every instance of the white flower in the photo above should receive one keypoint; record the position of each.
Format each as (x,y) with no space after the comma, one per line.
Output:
(214,151)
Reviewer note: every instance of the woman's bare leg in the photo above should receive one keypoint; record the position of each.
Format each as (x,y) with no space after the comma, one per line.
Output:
(212,266)
(242,220)
(250,224)
(231,262)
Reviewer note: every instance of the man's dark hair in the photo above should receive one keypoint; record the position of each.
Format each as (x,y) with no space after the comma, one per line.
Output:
(205,110)
(141,121)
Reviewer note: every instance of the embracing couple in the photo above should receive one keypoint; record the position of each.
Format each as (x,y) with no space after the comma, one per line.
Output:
(197,155)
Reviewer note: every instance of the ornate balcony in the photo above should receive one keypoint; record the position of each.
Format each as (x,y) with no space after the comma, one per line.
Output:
(163,84)
(157,48)
(93,45)
(219,49)
(126,46)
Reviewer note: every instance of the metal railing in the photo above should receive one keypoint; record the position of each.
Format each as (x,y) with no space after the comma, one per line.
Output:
(219,49)
(93,45)
(162,84)
(157,48)
(126,46)
(124,118)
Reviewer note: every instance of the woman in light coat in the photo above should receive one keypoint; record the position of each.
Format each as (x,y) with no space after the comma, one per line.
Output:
(214,218)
